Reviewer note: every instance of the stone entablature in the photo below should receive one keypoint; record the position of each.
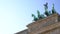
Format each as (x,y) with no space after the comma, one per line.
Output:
(43,23)
(52,31)
(48,25)
(48,28)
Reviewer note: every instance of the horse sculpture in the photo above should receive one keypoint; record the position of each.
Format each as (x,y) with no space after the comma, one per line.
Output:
(35,18)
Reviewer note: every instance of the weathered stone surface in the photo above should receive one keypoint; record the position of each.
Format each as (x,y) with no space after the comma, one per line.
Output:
(49,25)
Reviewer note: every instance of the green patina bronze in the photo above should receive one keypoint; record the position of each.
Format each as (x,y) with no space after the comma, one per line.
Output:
(40,16)
(35,18)
(53,10)
(47,13)
(46,10)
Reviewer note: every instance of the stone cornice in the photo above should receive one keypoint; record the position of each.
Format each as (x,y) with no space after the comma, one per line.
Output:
(48,28)
(53,26)
(42,20)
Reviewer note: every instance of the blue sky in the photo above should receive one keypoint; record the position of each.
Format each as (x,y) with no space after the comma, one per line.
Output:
(16,14)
